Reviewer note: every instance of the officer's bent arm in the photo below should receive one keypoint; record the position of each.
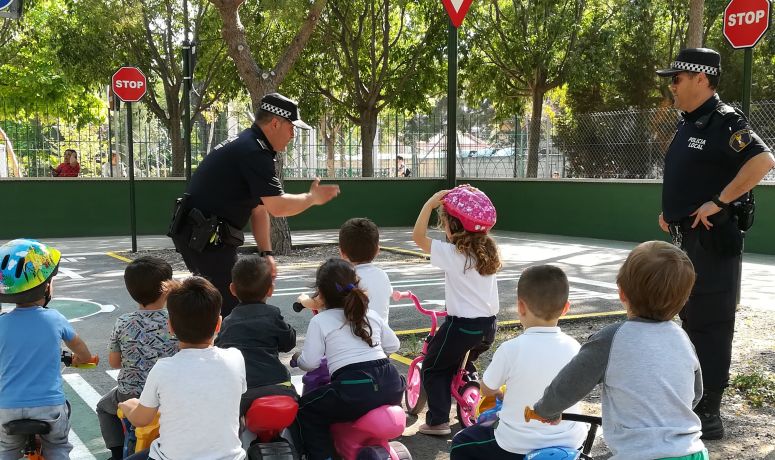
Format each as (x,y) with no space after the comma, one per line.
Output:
(287,204)
(752,172)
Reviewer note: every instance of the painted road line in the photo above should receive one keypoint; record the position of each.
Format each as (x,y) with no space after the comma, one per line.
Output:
(84,391)
(407,252)
(83,421)
(113,373)
(116,256)
(80,451)
(401,359)
(516,321)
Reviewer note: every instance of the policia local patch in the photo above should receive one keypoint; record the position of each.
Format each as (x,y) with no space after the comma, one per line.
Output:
(740,140)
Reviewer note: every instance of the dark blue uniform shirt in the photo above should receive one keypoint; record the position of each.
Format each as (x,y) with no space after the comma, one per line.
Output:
(708,149)
(233,177)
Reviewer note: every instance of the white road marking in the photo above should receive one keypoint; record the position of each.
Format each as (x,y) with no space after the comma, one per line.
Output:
(79,452)
(83,390)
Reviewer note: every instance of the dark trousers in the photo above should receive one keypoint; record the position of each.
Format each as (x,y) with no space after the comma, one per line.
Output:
(354,390)
(478,443)
(454,338)
(214,263)
(111,427)
(709,315)
(142,455)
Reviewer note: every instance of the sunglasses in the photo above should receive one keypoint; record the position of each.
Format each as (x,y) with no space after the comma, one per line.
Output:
(677,77)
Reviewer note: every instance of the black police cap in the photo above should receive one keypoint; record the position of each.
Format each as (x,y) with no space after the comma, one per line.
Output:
(281,106)
(697,60)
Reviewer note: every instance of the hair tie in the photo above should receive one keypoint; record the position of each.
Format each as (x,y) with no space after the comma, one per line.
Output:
(346,289)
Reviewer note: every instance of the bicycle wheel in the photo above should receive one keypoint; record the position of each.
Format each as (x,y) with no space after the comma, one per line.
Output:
(414,396)
(466,412)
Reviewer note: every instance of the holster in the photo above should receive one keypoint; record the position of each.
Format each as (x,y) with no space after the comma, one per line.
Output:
(231,236)
(179,214)
(204,230)
(745,210)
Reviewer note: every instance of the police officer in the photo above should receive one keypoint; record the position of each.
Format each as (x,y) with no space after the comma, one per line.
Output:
(236,182)
(713,162)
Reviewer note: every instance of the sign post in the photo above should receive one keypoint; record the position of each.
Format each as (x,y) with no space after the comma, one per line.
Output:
(129,84)
(11,9)
(745,23)
(456,9)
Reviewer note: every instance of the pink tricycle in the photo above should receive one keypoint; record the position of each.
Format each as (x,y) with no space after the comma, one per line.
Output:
(464,388)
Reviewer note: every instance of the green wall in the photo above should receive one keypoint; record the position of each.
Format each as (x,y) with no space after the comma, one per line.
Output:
(595,209)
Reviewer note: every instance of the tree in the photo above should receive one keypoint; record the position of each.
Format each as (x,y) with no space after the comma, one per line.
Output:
(694,33)
(148,34)
(528,47)
(265,73)
(375,53)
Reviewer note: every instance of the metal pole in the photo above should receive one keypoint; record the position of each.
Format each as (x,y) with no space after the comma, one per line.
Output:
(747,70)
(516,140)
(131,153)
(397,145)
(112,99)
(451,105)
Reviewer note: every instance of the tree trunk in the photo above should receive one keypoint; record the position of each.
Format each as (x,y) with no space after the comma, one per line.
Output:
(694,31)
(176,141)
(368,132)
(534,134)
(329,129)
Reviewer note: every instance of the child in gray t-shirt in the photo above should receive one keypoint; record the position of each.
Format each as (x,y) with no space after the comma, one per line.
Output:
(646,365)
(138,340)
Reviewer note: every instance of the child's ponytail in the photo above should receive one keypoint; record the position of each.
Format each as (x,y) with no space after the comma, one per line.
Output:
(337,282)
(356,303)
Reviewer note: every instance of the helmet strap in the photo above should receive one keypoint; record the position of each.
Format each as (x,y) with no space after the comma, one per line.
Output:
(47,296)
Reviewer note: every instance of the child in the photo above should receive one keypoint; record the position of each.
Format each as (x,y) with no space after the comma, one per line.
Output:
(257,330)
(356,343)
(138,339)
(359,244)
(469,261)
(198,390)
(30,353)
(648,370)
(526,365)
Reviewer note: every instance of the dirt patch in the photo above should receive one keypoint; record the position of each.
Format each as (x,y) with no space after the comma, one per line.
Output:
(301,254)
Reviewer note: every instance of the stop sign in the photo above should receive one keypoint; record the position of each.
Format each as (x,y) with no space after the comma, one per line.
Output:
(129,84)
(746,21)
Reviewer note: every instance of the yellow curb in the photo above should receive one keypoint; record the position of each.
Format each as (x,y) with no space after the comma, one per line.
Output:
(405,252)
(516,321)
(401,359)
(116,256)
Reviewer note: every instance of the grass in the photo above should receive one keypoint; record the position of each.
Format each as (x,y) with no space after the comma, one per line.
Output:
(757,386)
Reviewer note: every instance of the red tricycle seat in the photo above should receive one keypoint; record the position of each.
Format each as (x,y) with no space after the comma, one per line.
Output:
(271,413)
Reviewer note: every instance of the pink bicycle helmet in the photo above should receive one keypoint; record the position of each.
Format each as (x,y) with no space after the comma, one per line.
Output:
(472,207)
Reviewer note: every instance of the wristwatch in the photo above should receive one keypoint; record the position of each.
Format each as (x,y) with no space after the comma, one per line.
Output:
(266,253)
(717,201)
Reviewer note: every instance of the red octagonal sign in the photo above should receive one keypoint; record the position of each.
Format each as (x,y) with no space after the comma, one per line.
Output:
(129,84)
(746,21)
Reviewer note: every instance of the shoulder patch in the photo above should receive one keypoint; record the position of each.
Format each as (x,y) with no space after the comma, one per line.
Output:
(740,140)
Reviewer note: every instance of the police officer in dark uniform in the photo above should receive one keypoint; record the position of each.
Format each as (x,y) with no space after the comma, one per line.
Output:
(237,182)
(713,162)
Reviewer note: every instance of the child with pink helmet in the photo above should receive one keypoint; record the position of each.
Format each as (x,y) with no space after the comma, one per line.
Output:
(470,260)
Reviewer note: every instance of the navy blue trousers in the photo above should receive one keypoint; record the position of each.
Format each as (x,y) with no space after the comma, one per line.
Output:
(354,390)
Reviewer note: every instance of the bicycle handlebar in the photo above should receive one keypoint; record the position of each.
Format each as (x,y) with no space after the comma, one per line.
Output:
(398,295)
(530,414)
(67,359)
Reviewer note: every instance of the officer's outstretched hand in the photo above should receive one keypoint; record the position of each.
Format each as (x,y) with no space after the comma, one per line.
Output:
(663,224)
(322,194)
(703,212)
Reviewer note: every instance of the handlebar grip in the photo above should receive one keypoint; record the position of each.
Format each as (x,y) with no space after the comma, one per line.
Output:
(93,362)
(530,414)
(398,295)
(298,307)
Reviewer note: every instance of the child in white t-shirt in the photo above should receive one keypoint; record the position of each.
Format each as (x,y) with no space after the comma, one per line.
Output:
(356,343)
(470,260)
(197,391)
(359,244)
(526,365)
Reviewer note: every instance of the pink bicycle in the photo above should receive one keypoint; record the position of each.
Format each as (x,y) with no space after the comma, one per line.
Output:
(464,388)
